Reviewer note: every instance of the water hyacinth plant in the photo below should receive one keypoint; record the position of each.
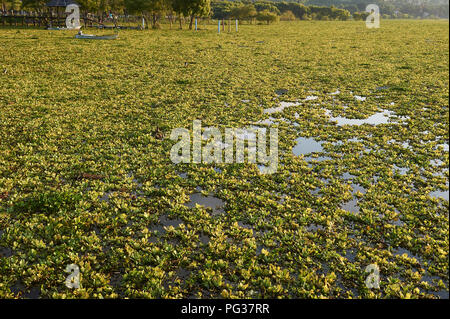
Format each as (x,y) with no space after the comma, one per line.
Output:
(86,176)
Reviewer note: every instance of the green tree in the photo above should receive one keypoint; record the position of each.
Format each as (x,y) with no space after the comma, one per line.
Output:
(266,6)
(16,4)
(244,12)
(360,15)
(137,7)
(191,9)
(222,10)
(179,7)
(267,16)
(287,16)
(33,4)
(198,8)
(152,8)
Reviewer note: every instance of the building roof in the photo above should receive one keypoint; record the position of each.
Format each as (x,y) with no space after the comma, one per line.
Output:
(60,3)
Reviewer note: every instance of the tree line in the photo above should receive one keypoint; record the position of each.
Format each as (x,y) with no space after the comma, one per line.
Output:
(270,11)
(264,11)
(155,10)
(388,8)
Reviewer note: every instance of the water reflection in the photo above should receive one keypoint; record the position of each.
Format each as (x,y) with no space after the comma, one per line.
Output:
(440,194)
(360,98)
(351,206)
(306,146)
(280,108)
(376,119)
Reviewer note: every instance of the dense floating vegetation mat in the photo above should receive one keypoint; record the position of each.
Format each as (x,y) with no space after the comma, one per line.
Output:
(86,177)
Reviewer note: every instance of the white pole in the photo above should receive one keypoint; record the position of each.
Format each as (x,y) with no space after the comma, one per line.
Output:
(237,25)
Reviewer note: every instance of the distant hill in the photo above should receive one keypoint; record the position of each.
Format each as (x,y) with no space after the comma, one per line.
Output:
(389,8)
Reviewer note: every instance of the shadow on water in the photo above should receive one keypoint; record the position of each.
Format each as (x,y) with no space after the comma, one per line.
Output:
(2,249)
(280,92)
(442,294)
(6,252)
(183,175)
(352,205)
(216,204)
(204,239)
(32,293)
(164,221)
